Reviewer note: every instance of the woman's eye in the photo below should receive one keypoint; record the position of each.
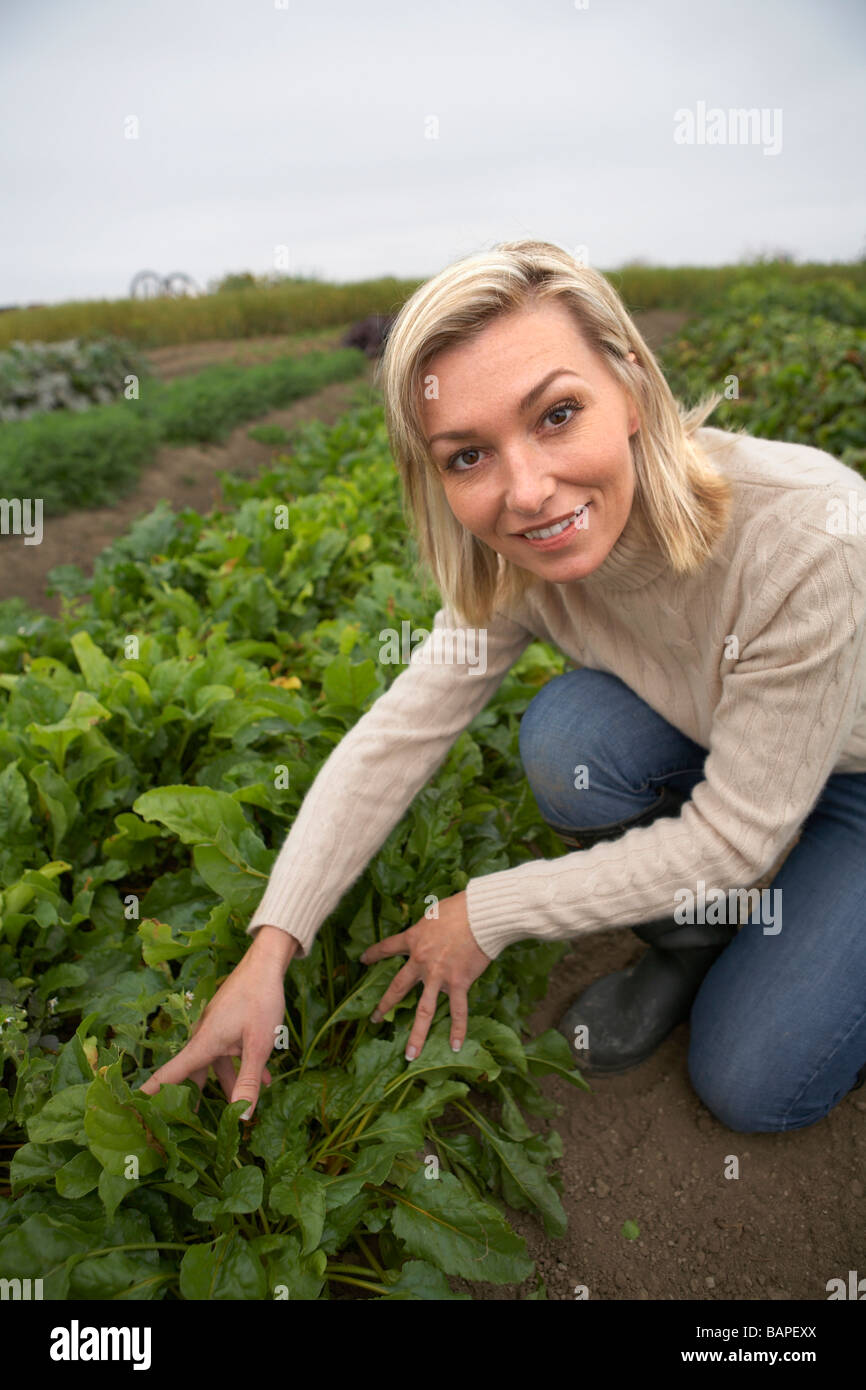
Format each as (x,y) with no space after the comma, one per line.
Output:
(573,405)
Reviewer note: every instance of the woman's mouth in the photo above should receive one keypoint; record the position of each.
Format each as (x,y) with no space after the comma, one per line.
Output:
(551,537)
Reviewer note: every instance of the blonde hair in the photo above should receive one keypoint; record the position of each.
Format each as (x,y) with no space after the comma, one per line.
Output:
(679,496)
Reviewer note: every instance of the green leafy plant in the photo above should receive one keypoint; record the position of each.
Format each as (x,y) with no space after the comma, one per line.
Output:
(79,459)
(799,356)
(140,821)
(67,376)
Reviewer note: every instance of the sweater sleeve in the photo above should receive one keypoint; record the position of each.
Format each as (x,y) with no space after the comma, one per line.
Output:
(368,781)
(785,712)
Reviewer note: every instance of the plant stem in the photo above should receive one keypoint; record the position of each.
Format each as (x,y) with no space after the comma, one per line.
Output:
(205,1176)
(364,1247)
(361,1283)
(294,1032)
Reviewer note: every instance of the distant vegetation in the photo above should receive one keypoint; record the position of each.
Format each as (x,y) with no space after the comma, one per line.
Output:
(239,309)
(85,459)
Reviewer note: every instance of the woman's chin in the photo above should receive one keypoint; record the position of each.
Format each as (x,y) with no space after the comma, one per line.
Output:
(560,567)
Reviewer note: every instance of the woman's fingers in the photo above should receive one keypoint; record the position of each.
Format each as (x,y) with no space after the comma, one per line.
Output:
(226,1075)
(398,988)
(197,1055)
(458,1004)
(256,1051)
(423,1018)
(200,1079)
(396,945)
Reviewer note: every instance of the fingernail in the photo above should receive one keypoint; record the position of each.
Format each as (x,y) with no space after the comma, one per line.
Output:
(247,1113)
(411,1054)
(375,1016)
(456,1046)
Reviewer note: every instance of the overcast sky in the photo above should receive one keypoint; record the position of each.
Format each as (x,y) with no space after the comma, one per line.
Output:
(392,138)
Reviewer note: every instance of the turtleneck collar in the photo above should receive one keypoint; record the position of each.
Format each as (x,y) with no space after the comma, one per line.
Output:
(634,561)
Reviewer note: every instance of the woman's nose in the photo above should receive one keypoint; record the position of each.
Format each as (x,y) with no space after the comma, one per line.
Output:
(528,486)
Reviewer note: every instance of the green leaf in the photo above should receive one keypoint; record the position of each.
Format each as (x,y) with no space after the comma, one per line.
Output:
(34,1162)
(499,1038)
(80,1175)
(525,1184)
(228,1138)
(61,1117)
(347,684)
(437,1059)
(116,1132)
(290,1273)
(302,1196)
(420,1280)
(194,814)
(40,1248)
(438,1221)
(242,1192)
(225,1268)
(112,1191)
(550,1052)
(631,1230)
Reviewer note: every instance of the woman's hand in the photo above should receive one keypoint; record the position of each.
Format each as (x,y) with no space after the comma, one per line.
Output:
(239,1021)
(443,953)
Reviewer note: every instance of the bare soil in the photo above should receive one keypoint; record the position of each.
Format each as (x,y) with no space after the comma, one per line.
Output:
(640,1146)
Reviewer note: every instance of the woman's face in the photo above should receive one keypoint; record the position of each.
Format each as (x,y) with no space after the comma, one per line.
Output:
(513,469)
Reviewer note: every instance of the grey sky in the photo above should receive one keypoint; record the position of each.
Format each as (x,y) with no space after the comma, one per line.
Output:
(304,127)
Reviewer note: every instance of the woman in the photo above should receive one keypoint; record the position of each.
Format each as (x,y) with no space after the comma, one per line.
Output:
(718,710)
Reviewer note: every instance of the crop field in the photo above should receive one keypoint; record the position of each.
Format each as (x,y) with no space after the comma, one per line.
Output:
(157,739)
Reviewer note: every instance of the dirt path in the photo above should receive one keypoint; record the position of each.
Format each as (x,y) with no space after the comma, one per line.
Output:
(640,1146)
(186,477)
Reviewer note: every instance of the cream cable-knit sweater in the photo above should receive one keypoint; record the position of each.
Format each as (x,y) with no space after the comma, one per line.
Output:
(788,580)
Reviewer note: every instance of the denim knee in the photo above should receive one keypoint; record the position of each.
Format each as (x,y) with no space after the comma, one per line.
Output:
(718,1083)
(548,772)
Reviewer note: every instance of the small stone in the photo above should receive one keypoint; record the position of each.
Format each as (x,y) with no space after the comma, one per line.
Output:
(619,1279)
(710,1282)
(857,1188)
(601,1188)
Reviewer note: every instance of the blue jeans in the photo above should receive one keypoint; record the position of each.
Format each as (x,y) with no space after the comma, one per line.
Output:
(778,1028)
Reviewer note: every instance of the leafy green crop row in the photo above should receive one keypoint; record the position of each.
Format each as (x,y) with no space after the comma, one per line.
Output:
(140,816)
(82,460)
(73,375)
(796,359)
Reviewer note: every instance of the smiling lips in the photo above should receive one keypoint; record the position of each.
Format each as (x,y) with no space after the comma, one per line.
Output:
(556,520)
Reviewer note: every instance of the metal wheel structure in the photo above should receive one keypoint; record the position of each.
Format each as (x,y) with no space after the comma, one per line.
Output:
(147,284)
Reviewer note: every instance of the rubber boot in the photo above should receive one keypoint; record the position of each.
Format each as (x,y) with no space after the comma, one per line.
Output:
(629,1013)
